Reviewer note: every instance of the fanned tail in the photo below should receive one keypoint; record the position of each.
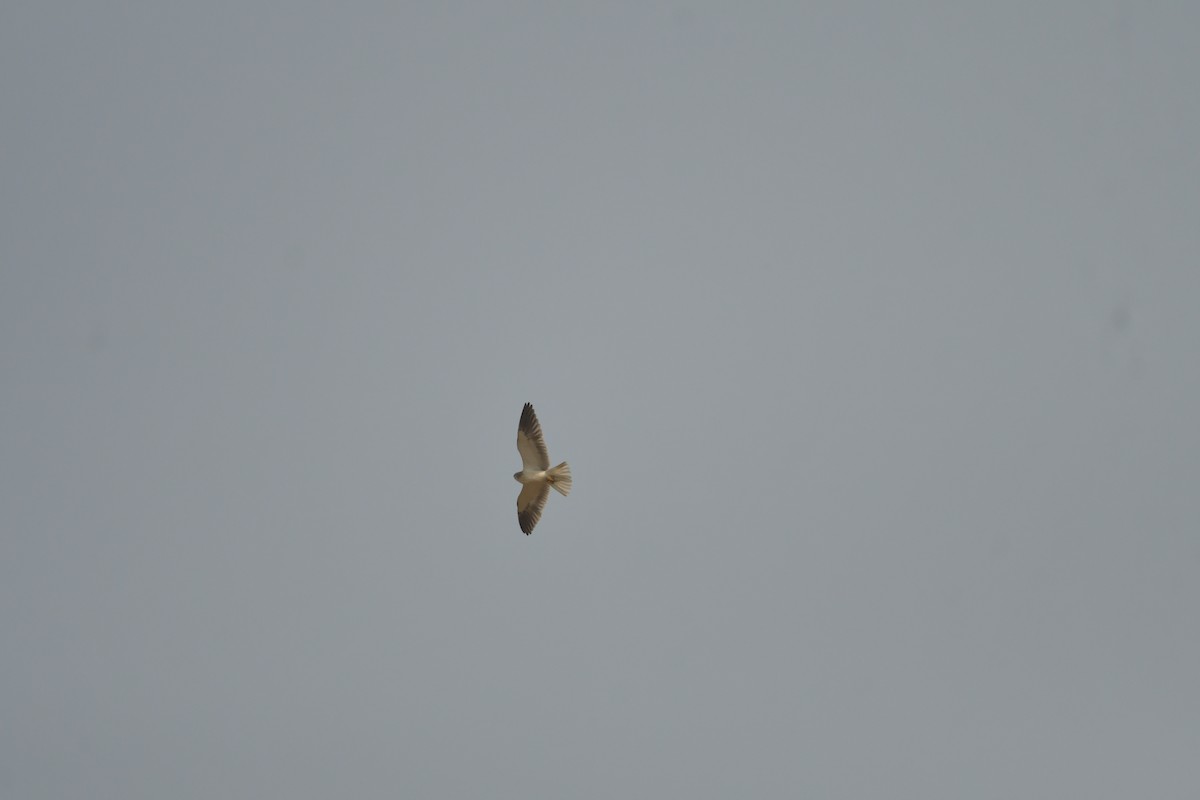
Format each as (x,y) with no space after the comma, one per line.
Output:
(560,478)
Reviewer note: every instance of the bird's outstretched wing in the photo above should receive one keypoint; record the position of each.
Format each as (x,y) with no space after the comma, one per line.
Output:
(530,443)
(530,503)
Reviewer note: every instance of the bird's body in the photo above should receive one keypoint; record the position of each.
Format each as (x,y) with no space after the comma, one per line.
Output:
(536,477)
(533,476)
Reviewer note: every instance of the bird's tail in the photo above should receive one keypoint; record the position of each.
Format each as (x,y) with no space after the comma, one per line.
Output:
(560,478)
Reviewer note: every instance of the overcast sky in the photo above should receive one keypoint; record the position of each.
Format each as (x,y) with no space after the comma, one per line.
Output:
(871,334)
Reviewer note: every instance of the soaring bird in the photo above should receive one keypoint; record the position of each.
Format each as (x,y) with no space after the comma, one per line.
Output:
(536,476)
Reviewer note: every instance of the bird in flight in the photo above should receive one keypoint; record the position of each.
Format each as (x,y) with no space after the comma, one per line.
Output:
(536,476)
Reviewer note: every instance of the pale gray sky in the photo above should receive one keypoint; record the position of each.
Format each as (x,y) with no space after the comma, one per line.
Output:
(870,332)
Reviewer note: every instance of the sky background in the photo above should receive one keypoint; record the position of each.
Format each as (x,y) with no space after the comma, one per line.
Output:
(870,333)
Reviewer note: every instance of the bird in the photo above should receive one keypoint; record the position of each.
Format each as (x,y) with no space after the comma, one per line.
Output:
(536,476)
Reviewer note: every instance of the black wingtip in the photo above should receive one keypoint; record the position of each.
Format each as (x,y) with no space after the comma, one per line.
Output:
(528,418)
